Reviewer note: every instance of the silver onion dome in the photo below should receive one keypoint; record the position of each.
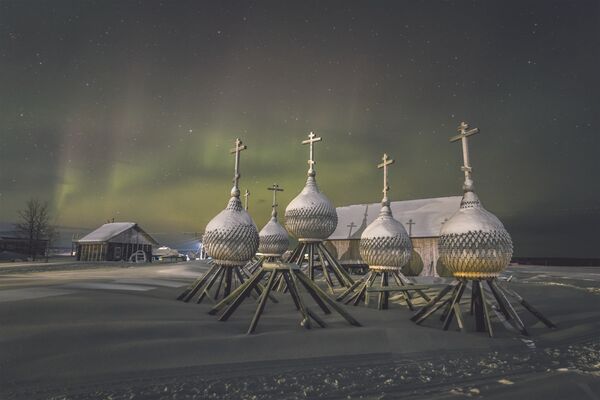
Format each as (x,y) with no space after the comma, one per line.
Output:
(273,238)
(473,243)
(310,215)
(384,244)
(231,238)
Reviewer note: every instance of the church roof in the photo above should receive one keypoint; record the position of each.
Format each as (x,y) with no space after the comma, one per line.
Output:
(427,216)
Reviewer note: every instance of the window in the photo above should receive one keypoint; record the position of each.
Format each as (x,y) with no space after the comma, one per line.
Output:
(118,253)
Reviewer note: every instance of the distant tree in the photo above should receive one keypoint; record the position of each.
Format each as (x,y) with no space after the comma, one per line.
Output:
(34,225)
(52,236)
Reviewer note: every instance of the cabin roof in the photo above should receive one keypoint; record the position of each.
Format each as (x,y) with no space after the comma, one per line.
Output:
(108,231)
(427,216)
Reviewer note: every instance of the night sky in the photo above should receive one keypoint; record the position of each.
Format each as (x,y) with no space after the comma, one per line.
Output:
(127,109)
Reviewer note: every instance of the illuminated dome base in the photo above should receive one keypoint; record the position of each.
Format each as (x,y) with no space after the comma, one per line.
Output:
(385,275)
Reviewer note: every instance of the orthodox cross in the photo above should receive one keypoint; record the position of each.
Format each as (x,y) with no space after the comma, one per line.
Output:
(350,225)
(311,158)
(386,161)
(410,223)
(236,177)
(465,132)
(246,195)
(275,188)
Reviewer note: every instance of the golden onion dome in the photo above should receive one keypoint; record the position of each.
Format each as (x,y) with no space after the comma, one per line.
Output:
(473,243)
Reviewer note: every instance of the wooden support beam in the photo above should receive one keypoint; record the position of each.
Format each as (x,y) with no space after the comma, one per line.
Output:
(455,300)
(353,287)
(459,318)
(486,313)
(237,293)
(310,285)
(425,309)
(527,306)
(194,287)
(478,307)
(235,299)
(407,288)
(261,303)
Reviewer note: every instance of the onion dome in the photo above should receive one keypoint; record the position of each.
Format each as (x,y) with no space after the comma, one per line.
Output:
(473,243)
(415,266)
(384,244)
(273,238)
(442,270)
(310,215)
(231,238)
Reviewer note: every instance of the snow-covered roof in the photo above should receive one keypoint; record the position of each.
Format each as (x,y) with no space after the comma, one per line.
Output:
(109,231)
(427,216)
(165,251)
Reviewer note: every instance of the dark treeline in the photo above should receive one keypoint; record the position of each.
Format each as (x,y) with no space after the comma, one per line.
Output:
(558,261)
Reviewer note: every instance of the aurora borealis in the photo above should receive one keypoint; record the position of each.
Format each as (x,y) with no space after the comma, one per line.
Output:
(127,110)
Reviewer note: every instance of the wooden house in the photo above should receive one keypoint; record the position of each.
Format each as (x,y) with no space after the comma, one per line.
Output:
(116,241)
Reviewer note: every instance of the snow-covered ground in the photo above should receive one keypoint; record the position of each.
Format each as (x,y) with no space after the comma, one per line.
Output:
(115,332)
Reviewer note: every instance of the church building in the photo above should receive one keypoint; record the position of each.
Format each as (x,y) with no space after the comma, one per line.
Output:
(422,218)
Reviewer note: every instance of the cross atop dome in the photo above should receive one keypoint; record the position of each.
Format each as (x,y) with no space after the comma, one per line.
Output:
(312,138)
(386,161)
(275,188)
(239,146)
(464,133)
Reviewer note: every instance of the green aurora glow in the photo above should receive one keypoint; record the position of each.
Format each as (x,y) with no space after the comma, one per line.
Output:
(127,110)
